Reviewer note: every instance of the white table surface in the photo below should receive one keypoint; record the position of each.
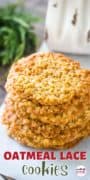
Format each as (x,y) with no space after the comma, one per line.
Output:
(14,168)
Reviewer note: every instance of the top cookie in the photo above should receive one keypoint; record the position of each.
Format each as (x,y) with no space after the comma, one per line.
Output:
(49,79)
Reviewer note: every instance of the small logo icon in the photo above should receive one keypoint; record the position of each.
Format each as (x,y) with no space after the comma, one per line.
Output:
(81,170)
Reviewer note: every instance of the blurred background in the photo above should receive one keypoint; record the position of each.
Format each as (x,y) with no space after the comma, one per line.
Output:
(21,32)
(37,8)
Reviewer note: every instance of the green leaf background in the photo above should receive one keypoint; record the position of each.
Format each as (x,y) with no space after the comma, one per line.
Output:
(17,36)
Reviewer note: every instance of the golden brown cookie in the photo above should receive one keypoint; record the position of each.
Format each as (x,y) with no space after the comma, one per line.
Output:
(47,130)
(48,101)
(20,130)
(49,79)
(66,115)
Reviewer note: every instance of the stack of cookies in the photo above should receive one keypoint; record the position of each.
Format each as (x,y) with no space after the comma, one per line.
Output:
(48,101)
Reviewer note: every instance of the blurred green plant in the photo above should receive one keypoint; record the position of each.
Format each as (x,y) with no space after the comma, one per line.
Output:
(17,36)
